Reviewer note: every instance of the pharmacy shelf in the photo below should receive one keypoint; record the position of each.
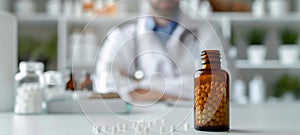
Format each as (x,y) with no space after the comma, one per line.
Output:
(101,19)
(42,17)
(232,16)
(268,64)
(100,23)
(37,19)
(227,19)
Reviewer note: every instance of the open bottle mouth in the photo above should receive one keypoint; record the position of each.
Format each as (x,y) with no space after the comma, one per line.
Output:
(210,57)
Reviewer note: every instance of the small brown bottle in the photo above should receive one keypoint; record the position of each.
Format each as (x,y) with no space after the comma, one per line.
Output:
(71,84)
(87,84)
(211,101)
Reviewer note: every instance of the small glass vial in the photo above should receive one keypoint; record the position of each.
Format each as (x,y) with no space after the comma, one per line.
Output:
(53,82)
(111,7)
(87,83)
(30,98)
(88,6)
(211,101)
(71,84)
(99,7)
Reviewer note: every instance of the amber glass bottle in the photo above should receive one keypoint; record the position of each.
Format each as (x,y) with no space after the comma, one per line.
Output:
(211,105)
(71,84)
(87,84)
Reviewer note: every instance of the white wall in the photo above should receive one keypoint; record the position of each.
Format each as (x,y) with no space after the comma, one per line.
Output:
(3,5)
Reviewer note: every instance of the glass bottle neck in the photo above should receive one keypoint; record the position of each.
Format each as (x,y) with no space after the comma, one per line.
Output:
(214,66)
(211,60)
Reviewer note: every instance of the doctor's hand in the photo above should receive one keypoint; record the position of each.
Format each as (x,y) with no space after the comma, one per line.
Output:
(150,95)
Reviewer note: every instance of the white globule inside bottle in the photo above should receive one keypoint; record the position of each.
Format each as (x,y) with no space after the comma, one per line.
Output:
(29,99)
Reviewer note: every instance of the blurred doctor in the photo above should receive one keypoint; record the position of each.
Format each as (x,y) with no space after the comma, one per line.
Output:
(154,57)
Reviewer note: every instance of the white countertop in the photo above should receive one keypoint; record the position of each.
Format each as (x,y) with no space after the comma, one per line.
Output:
(262,119)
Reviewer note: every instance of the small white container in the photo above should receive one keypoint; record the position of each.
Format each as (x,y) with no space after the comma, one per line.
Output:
(25,7)
(77,8)
(76,47)
(257,90)
(232,52)
(239,92)
(53,7)
(90,47)
(256,54)
(68,8)
(258,8)
(288,54)
(278,8)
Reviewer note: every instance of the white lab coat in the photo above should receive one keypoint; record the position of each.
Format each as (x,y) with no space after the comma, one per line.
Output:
(168,69)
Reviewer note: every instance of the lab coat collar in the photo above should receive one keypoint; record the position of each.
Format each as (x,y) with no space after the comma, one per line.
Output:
(181,18)
(183,24)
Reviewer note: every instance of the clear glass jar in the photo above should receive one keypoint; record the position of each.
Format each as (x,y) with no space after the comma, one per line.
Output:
(30,98)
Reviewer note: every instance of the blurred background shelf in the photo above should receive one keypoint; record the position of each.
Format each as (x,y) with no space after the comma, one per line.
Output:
(38,17)
(240,17)
(268,64)
(55,32)
(100,20)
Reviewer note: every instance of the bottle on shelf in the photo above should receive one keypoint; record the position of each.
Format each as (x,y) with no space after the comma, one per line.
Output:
(111,7)
(89,47)
(77,8)
(88,7)
(53,82)
(25,7)
(71,84)
(53,7)
(75,57)
(257,90)
(278,8)
(258,8)
(239,92)
(68,8)
(99,7)
(87,83)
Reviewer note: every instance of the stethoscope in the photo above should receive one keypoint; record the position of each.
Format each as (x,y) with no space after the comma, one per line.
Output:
(139,73)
